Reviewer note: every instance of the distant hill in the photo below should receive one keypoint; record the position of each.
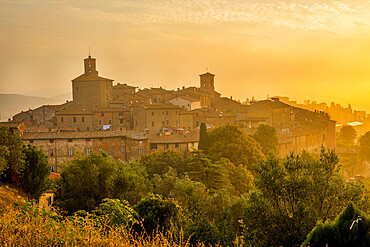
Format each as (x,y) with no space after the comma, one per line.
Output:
(11,104)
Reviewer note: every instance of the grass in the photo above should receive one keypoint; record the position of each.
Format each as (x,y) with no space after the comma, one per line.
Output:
(31,225)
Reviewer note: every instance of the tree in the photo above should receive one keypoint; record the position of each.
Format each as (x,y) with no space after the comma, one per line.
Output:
(292,194)
(202,137)
(160,162)
(131,182)
(231,142)
(86,181)
(35,175)
(12,158)
(158,213)
(347,134)
(267,138)
(347,230)
(119,212)
(365,146)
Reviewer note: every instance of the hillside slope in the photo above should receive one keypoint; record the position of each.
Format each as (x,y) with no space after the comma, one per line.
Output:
(11,104)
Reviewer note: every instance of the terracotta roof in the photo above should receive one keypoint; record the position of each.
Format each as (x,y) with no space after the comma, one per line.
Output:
(191,99)
(124,85)
(90,77)
(85,134)
(274,104)
(54,175)
(76,111)
(207,74)
(110,109)
(162,106)
(10,124)
(176,138)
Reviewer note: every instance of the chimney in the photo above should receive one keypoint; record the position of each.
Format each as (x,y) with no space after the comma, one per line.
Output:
(275,99)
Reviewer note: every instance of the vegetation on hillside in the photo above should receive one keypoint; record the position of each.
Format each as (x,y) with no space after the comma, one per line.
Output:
(227,194)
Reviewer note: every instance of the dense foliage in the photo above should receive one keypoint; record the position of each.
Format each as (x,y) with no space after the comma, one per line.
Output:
(350,228)
(347,135)
(35,174)
(365,146)
(226,194)
(267,138)
(11,156)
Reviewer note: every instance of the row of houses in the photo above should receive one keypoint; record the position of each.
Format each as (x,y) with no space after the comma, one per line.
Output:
(100,108)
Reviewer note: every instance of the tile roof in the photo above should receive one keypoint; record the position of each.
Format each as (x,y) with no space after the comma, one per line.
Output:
(175,138)
(76,111)
(274,104)
(124,85)
(85,134)
(90,77)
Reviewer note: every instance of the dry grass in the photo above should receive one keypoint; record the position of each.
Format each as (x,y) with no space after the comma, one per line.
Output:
(10,195)
(32,226)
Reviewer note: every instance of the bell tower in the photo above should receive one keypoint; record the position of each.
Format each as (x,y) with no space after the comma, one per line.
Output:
(90,66)
(207,82)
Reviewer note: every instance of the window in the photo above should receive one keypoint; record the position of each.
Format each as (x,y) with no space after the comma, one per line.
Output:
(140,151)
(88,128)
(109,121)
(83,119)
(120,114)
(121,121)
(99,122)
(166,112)
(197,123)
(166,146)
(177,145)
(192,144)
(51,140)
(168,122)
(61,119)
(49,201)
(162,122)
(87,140)
(153,146)
(100,139)
(102,114)
(162,112)
(123,149)
(88,151)
(152,123)
(70,152)
(31,141)
(69,140)
(152,113)
(74,119)
(51,152)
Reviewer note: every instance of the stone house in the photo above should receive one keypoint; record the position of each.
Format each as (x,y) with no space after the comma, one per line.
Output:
(61,147)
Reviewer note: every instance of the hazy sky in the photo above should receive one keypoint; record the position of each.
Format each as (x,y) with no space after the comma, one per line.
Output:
(298,48)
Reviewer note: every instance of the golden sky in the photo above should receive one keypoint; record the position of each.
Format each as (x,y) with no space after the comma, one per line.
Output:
(304,49)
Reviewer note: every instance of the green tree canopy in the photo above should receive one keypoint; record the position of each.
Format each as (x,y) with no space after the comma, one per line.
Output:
(35,175)
(86,181)
(267,138)
(203,141)
(158,213)
(231,142)
(12,158)
(347,134)
(365,146)
(292,194)
(347,230)
(160,162)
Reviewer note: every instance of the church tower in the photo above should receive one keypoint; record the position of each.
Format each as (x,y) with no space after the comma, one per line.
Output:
(207,82)
(90,66)
(89,89)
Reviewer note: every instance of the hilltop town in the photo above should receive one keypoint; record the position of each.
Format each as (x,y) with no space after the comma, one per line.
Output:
(128,122)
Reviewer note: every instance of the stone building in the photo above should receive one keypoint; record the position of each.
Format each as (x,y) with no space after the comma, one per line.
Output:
(61,147)
(89,89)
(154,117)
(186,102)
(179,142)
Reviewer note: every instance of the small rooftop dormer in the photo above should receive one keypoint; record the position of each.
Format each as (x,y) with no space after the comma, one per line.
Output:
(90,66)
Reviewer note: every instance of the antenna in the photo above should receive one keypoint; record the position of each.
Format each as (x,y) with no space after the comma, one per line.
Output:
(89,51)
(207,70)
